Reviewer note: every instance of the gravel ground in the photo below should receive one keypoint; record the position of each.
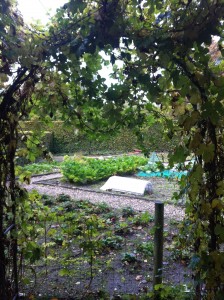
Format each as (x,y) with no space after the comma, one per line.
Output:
(116,201)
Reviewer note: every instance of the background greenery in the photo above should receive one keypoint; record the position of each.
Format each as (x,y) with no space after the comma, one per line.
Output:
(59,139)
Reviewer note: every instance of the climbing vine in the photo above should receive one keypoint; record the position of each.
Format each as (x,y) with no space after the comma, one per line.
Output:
(172,70)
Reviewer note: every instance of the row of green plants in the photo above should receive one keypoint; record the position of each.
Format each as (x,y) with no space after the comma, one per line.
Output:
(92,168)
(41,168)
(84,170)
(87,245)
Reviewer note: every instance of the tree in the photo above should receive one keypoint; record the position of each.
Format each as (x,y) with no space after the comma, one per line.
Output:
(164,47)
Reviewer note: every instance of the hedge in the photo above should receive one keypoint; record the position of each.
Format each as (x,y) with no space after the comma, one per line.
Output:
(62,140)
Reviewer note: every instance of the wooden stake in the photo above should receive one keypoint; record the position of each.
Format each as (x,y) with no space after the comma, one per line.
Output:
(158,243)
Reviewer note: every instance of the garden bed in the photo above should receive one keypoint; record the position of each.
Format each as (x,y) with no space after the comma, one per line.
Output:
(96,252)
(123,223)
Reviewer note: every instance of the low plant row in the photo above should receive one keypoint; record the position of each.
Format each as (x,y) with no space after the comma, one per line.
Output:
(84,170)
(39,168)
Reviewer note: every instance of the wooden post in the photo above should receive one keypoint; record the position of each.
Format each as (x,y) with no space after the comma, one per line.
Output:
(158,243)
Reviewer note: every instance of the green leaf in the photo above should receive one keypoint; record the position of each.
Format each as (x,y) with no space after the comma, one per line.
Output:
(62,58)
(191,120)
(220,189)
(64,272)
(207,152)
(75,5)
(219,230)
(26,280)
(179,155)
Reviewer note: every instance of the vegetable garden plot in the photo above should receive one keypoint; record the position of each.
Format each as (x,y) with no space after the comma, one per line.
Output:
(87,249)
(83,170)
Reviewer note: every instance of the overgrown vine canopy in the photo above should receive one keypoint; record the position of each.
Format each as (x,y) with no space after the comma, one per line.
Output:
(162,65)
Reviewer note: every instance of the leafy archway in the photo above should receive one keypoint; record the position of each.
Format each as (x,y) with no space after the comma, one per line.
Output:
(167,70)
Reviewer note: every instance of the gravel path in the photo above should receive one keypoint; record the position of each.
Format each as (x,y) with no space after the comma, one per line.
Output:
(115,201)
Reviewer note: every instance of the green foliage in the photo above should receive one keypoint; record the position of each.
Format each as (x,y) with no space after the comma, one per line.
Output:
(83,170)
(63,198)
(33,144)
(181,246)
(66,141)
(112,242)
(61,139)
(128,211)
(33,213)
(143,219)
(146,248)
(129,257)
(48,200)
(169,292)
(122,228)
(79,242)
(40,168)
(102,207)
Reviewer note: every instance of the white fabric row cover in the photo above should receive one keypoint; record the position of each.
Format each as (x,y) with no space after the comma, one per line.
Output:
(129,185)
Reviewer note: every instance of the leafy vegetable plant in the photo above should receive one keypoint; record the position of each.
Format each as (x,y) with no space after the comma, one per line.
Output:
(84,170)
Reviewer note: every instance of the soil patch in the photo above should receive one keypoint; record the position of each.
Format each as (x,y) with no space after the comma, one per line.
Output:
(98,252)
